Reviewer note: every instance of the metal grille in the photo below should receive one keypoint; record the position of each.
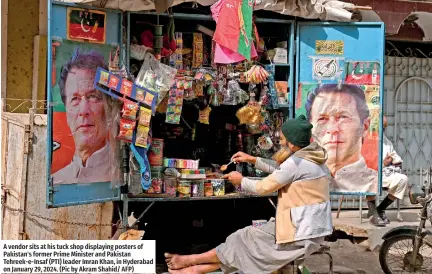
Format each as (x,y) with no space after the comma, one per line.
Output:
(412,136)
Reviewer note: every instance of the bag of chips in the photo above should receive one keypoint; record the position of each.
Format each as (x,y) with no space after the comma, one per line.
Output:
(144,116)
(142,136)
(130,110)
(126,130)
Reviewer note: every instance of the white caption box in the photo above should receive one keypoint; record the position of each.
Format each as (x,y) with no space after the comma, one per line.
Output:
(78,257)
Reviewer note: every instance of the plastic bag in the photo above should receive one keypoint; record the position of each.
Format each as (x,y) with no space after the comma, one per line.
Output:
(156,76)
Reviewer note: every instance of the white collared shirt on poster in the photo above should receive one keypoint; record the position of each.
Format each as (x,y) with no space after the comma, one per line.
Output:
(97,169)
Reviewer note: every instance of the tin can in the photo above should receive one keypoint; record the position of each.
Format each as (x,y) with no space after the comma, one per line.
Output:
(184,188)
(198,188)
(218,187)
(208,189)
(155,156)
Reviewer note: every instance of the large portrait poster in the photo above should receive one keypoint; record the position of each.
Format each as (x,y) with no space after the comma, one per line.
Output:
(80,131)
(345,121)
(339,89)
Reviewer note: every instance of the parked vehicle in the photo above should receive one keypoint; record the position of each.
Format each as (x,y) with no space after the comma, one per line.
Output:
(408,249)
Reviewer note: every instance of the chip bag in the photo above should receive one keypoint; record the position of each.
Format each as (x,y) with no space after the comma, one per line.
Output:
(144,116)
(130,110)
(142,136)
(126,130)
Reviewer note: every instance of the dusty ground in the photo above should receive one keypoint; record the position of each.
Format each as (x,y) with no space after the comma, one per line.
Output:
(348,258)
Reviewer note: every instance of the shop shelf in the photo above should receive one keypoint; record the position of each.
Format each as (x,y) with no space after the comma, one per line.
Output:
(147,198)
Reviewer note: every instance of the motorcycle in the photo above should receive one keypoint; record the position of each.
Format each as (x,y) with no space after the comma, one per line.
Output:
(408,249)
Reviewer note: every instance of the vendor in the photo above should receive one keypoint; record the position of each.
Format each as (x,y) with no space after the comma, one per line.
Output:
(303,215)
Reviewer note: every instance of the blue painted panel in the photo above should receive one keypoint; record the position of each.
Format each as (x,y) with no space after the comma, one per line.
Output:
(83,193)
(58,21)
(362,42)
(113,28)
(75,194)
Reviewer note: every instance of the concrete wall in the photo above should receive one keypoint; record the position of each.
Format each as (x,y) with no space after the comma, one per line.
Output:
(26,19)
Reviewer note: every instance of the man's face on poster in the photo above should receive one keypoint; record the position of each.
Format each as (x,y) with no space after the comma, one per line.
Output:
(85,109)
(337,126)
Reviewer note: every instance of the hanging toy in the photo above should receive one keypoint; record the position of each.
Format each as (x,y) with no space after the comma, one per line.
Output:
(256,74)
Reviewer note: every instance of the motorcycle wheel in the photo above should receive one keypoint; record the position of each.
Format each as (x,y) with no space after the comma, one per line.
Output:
(396,256)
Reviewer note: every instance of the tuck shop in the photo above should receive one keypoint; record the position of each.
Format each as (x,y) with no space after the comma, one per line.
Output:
(148,104)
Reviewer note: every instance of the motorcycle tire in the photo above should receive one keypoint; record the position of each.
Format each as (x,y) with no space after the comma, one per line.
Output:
(383,254)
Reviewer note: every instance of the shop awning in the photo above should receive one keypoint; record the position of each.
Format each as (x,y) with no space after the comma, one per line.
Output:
(327,10)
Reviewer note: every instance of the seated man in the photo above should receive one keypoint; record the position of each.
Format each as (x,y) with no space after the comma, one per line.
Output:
(392,179)
(303,215)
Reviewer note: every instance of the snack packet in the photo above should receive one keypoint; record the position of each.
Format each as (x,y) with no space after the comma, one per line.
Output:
(139,94)
(130,110)
(126,87)
(126,130)
(142,136)
(144,116)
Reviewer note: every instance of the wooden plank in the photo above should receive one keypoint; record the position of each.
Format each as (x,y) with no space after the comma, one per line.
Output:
(13,180)
(3,57)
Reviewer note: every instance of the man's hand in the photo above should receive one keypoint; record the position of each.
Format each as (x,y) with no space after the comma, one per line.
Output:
(388,160)
(234,177)
(241,157)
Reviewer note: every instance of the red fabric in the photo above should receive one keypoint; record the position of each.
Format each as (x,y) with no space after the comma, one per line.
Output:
(147,39)
(228,25)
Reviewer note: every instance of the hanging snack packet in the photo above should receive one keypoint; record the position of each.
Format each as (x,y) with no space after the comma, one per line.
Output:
(142,136)
(126,130)
(113,82)
(139,94)
(104,75)
(130,110)
(144,117)
(126,87)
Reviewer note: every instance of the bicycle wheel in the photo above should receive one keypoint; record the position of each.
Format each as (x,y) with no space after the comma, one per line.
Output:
(396,256)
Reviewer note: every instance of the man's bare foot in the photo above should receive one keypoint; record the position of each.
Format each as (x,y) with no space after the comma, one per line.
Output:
(187,270)
(176,262)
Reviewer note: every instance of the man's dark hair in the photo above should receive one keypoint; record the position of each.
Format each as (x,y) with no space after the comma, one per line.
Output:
(88,60)
(354,91)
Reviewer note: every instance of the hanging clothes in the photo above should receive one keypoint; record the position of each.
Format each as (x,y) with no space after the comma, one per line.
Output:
(233,35)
